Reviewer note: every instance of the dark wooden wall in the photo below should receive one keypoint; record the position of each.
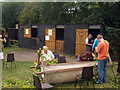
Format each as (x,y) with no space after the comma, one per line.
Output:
(69,36)
(41,34)
(12,33)
(32,43)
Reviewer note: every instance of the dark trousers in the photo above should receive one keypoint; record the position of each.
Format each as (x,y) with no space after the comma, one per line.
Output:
(118,70)
(88,48)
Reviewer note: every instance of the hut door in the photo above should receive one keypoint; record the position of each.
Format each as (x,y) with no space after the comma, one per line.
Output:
(81,35)
(50,39)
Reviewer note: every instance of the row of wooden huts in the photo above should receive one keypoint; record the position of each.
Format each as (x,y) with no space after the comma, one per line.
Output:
(60,38)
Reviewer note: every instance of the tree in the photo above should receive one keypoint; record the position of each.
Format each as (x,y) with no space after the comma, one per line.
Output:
(43,13)
(10,13)
(107,13)
(30,13)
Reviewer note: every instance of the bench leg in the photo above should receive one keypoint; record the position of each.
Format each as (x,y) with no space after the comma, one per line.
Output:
(80,84)
(11,64)
(3,63)
(14,64)
(6,65)
(93,83)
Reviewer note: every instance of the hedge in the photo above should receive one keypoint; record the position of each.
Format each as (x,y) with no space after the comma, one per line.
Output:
(112,35)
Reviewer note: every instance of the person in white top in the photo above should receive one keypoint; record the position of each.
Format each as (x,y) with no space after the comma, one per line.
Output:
(46,55)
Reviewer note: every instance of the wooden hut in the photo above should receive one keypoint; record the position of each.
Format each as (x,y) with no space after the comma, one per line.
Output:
(12,36)
(64,38)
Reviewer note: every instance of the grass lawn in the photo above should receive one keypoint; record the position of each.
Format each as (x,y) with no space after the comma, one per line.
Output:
(21,77)
(9,49)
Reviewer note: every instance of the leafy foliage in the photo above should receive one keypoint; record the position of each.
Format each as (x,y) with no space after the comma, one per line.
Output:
(12,82)
(107,13)
(10,13)
(29,13)
(52,62)
(112,35)
(71,13)
(36,69)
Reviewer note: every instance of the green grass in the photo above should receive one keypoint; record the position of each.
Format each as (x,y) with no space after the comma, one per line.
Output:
(22,76)
(10,49)
(22,72)
(110,82)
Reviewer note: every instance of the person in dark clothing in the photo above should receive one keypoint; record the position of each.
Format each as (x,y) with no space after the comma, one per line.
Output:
(118,70)
(89,42)
(3,37)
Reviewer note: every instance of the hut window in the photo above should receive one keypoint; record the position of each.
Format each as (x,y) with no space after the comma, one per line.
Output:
(27,32)
(60,34)
(30,32)
(34,32)
(94,32)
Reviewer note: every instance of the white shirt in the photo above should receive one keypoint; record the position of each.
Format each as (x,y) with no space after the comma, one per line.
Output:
(86,41)
(47,56)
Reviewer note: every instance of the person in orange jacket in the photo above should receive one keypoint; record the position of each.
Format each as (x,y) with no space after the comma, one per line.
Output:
(103,50)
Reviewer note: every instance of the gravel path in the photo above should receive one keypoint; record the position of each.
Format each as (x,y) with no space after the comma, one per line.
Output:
(31,56)
(24,55)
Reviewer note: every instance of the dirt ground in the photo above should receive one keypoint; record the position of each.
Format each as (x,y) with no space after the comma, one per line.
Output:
(31,56)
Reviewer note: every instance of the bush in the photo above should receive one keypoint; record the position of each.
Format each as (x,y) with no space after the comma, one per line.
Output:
(112,35)
(14,83)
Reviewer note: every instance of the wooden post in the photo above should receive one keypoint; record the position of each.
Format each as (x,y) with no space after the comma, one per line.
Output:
(39,55)
(42,68)
(38,59)
(112,68)
(42,63)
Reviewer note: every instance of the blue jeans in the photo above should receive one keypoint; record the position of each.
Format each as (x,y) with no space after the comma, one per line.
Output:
(102,70)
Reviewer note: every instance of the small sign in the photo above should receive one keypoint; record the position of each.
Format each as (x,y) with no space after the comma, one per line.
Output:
(94,26)
(34,26)
(47,38)
(60,26)
(50,32)
(27,31)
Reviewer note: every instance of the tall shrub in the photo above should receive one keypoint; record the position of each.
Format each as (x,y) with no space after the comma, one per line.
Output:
(113,37)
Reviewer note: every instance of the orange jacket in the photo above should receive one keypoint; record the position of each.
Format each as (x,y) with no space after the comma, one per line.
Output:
(103,50)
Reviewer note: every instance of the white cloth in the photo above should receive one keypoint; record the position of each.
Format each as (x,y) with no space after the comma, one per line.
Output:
(86,40)
(1,55)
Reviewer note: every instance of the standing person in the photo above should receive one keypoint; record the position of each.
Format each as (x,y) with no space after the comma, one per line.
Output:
(102,49)
(3,37)
(118,70)
(95,44)
(88,43)
(1,47)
